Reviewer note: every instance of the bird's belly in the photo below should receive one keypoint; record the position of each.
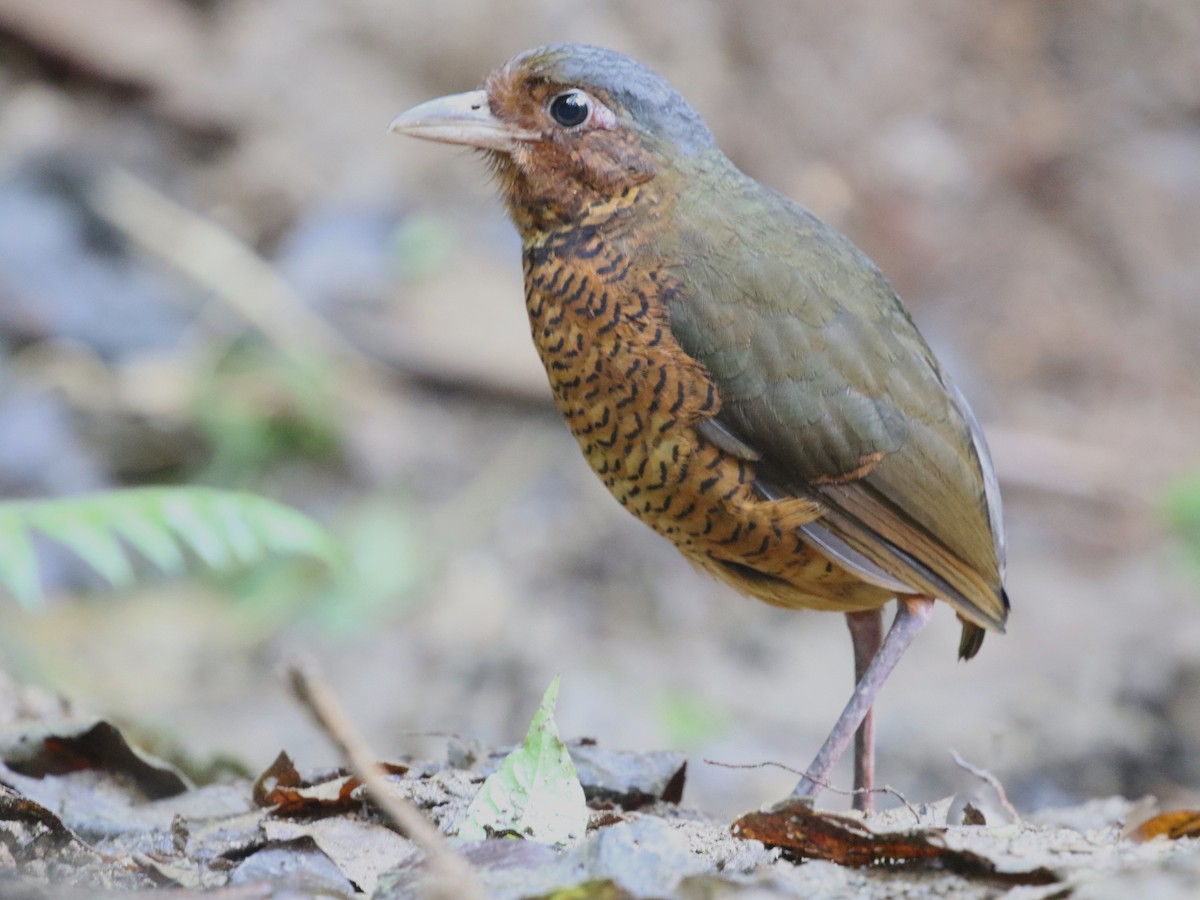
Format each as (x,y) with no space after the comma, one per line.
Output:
(631,398)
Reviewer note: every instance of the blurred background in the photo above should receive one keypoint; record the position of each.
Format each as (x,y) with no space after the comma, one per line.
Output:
(217,268)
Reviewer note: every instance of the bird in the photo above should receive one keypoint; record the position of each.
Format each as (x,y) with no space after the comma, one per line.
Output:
(741,377)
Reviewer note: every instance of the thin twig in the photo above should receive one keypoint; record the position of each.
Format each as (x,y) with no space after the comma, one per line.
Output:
(448,875)
(824,785)
(991,779)
(241,281)
(214,257)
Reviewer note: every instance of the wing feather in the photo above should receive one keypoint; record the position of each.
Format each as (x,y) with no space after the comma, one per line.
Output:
(825,381)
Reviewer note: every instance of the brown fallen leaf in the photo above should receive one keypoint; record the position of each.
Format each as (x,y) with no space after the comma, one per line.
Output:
(1179,823)
(804,833)
(15,808)
(972,815)
(283,787)
(62,747)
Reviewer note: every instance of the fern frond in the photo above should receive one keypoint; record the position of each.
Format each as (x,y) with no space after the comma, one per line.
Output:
(223,528)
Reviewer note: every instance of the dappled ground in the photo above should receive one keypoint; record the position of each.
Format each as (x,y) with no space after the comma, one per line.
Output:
(1028,175)
(81,811)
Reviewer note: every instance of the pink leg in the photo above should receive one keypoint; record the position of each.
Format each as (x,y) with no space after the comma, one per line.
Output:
(911,616)
(866,632)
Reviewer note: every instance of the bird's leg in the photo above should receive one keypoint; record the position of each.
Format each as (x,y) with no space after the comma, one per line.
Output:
(866,633)
(911,616)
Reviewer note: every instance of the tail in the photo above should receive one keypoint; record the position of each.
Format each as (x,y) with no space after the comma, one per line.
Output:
(973,635)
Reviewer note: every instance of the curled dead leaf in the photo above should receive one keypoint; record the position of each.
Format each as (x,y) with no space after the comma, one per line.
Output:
(291,794)
(973,815)
(804,833)
(1179,823)
(63,747)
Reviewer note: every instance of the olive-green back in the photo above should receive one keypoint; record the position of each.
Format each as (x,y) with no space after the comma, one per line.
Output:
(822,372)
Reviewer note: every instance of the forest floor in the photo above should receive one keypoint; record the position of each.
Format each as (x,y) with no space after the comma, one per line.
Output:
(218,268)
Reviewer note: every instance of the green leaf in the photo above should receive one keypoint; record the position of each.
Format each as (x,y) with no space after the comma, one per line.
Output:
(280,529)
(236,520)
(91,537)
(146,534)
(18,563)
(190,517)
(223,528)
(535,793)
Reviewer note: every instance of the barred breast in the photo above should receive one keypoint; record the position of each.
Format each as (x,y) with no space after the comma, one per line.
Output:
(632,398)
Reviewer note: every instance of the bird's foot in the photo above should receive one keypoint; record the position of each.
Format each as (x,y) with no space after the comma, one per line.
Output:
(911,617)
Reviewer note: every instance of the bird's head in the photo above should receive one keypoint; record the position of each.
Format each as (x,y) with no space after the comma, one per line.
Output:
(567,126)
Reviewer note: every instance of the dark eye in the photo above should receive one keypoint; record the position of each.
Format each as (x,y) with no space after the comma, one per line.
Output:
(571,109)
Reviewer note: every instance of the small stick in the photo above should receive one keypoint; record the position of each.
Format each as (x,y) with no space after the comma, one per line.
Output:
(217,259)
(824,785)
(449,875)
(991,779)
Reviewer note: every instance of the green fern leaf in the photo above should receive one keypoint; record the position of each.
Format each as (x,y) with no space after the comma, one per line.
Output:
(145,533)
(190,517)
(88,535)
(237,522)
(223,528)
(18,563)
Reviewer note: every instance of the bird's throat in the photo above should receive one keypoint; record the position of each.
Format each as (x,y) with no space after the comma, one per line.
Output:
(555,217)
